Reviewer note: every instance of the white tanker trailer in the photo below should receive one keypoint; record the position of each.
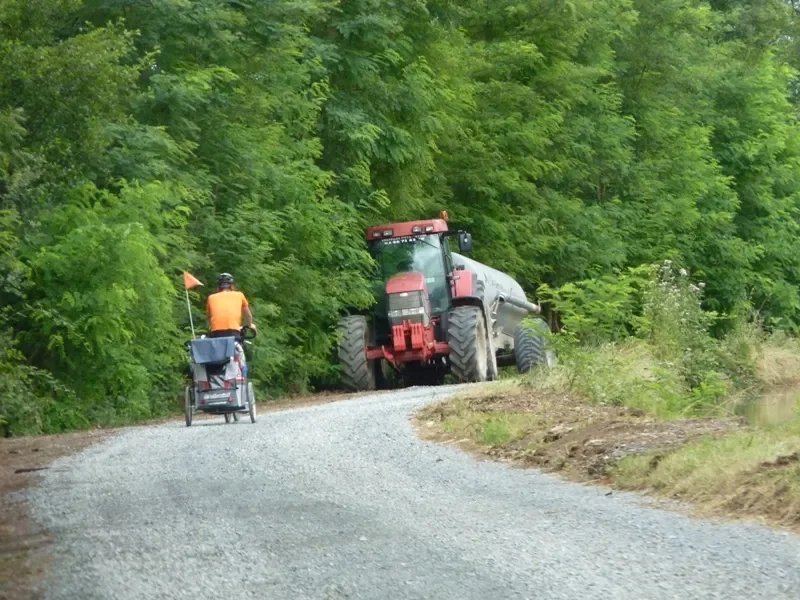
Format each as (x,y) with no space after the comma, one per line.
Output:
(507,307)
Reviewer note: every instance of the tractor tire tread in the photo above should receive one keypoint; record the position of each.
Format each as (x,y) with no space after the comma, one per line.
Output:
(463,328)
(358,371)
(529,348)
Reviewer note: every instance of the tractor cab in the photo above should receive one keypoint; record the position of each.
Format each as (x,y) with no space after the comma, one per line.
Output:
(415,247)
(425,255)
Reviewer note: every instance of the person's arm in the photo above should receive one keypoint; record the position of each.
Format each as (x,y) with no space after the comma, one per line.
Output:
(208,313)
(248,316)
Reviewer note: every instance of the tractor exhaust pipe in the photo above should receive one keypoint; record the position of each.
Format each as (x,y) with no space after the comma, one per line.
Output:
(528,307)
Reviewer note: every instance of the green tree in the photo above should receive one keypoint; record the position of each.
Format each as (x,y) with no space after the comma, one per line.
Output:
(577,139)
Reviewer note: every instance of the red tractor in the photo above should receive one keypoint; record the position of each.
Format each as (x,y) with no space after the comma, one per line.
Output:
(437,312)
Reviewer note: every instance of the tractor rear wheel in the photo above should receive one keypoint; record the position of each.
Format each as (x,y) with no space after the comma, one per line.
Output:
(530,346)
(358,372)
(469,344)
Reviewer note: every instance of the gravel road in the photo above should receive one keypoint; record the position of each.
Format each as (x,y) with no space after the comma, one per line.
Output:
(342,501)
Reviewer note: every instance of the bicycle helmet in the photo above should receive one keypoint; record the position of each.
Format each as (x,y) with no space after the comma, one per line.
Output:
(225,280)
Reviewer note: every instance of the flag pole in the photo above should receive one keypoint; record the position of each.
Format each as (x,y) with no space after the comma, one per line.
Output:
(190,281)
(189,308)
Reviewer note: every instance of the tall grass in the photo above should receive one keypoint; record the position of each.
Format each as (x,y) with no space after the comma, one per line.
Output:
(752,472)
(668,362)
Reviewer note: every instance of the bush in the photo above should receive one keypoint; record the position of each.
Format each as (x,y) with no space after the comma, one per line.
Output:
(676,327)
(643,340)
(599,310)
(29,397)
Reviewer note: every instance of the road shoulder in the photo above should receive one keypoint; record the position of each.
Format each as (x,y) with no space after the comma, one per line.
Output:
(24,543)
(719,467)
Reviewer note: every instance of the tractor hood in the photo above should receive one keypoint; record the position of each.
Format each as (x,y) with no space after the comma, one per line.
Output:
(407,299)
(407,282)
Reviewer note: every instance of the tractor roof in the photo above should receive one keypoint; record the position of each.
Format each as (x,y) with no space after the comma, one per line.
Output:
(406,229)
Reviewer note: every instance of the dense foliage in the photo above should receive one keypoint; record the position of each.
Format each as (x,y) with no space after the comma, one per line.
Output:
(643,339)
(576,138)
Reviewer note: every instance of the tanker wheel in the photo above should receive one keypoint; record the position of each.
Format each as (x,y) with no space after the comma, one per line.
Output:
(492,370)
(530,346)
(358,372)
(469,344)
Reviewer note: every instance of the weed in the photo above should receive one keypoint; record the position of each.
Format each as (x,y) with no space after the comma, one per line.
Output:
(495,432)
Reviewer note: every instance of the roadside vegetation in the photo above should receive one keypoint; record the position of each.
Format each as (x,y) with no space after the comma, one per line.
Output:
(651,393)
(575,139)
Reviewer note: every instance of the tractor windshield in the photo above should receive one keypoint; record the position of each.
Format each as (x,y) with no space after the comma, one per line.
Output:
(420,254)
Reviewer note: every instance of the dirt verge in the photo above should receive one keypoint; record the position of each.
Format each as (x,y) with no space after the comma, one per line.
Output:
(714,467)
(23,544)
(558,433)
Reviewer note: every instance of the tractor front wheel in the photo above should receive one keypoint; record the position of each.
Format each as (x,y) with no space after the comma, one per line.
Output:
(469,344)
(358,372)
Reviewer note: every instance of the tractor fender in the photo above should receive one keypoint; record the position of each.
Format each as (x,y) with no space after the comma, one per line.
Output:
(469,290)
(466,288)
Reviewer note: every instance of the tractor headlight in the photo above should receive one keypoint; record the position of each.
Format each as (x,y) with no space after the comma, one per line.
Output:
(408,306)
(406,312)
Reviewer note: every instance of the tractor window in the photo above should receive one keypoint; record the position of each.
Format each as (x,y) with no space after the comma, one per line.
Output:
(421,254)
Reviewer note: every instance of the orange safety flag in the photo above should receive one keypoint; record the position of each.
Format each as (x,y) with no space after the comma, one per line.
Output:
(190,281)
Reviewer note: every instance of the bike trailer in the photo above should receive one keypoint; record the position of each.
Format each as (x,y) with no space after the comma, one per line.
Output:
(217,374)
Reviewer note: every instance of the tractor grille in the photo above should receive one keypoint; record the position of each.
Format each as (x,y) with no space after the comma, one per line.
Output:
(408,306)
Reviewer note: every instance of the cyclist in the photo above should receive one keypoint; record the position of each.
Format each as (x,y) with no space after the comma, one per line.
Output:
(224,310)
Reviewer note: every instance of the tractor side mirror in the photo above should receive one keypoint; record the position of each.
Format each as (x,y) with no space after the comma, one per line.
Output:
(464,242)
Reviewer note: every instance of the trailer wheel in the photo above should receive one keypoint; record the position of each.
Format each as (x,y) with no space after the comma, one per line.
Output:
(187,405)
(530,346)
(492,371)
(251,402)
(469,344)
(358,371)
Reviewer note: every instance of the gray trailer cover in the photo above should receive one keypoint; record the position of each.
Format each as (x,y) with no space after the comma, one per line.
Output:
(213,351)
